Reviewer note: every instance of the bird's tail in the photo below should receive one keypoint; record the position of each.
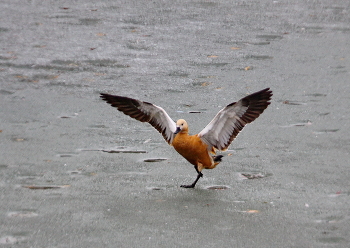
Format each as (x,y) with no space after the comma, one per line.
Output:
(217,158)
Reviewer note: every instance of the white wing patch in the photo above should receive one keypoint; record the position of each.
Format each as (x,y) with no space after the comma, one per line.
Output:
(144,112)
(229,121)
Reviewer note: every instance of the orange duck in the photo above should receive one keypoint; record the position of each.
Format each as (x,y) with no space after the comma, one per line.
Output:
(199,149)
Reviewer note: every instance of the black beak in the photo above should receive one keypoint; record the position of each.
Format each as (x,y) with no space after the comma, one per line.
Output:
(178,129)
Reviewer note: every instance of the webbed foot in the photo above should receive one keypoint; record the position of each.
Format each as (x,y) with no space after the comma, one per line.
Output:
(187,186)
(200,174)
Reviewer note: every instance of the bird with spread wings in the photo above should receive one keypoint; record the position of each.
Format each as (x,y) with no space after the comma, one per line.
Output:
(199,149)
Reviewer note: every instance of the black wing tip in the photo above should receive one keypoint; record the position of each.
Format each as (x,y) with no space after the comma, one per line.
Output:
(107,97)
(268,92)
(105,94)
(117,100)
(262,94)
(113,99)
(265,92)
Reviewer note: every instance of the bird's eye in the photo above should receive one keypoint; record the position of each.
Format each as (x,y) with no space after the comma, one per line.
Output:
(182,124)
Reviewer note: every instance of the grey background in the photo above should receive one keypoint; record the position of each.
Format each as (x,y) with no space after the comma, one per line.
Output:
(59,189)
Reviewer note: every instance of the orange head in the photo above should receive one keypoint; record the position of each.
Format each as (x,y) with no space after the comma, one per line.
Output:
(181,126)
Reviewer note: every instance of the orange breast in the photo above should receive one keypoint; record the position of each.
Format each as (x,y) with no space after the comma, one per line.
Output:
(193,149)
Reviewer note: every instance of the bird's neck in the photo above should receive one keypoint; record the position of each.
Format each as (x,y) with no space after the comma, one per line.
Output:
(185,131)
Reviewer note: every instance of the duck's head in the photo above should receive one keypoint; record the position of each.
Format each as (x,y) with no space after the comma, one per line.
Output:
(181,126)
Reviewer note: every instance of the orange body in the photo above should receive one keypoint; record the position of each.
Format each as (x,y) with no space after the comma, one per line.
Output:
(194,150)
(217,135)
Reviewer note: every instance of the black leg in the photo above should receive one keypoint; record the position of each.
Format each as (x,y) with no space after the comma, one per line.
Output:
(195,181)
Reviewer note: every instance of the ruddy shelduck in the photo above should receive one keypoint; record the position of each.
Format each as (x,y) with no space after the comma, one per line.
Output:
(200,149)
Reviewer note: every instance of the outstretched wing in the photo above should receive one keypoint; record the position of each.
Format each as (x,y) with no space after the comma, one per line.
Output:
(144,112)
(226,125)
